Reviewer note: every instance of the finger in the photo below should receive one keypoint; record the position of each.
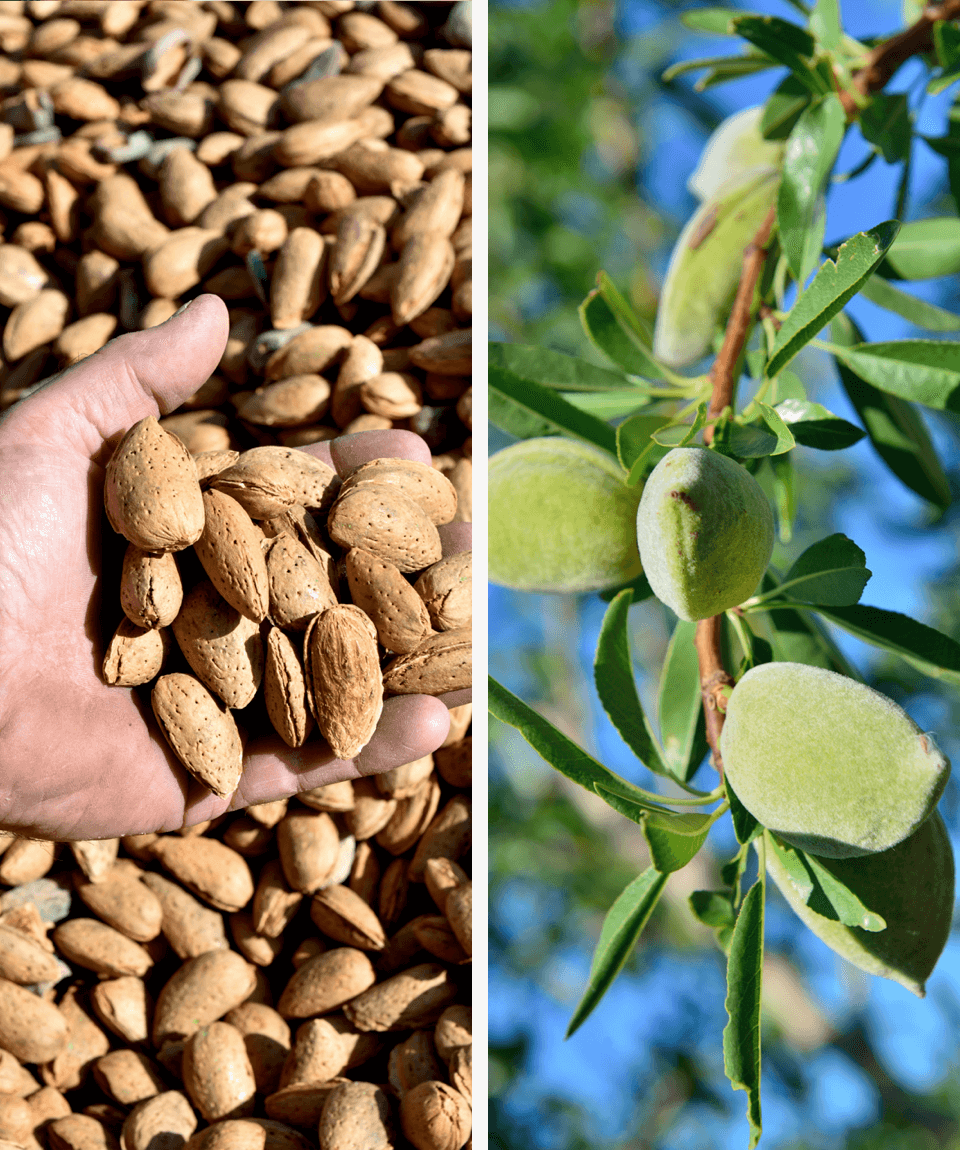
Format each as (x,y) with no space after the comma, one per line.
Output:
(350,451)
(139,374)
(410,727)
(455,538)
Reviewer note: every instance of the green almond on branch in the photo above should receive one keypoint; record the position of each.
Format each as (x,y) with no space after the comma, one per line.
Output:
(706,264)
(911,886)
(826,763)
(733,151)
(561,518)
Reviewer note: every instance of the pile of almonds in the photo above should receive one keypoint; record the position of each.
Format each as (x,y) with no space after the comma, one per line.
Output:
(289,977)
(284,977)
(308,162)
(272,528)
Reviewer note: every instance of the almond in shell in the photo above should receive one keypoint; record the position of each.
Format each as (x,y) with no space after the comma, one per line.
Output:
(443,662)
(379,589)
(151,492)
(285,690)
(299,587)
(200,731)
(344,683)
(230,550)
(222,646)
(382,520)
(150,588)
(447,590)
(134,655)
(423,484)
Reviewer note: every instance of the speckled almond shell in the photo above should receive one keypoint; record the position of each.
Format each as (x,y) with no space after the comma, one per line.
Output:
(442,662)
(297,522)
(232,556)
(150,588)
(423,484)
(201,732)
(201,991)
(284,690)
(135,655)
(341,914)
(446,589)
(381,519)
(412,999)
(299,587)
(377,588)
(357,1114)
(222,646)
(325,982)
(151,492)
(208,867)
(345,687)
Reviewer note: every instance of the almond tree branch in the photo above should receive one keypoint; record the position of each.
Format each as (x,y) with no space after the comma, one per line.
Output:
(713,678)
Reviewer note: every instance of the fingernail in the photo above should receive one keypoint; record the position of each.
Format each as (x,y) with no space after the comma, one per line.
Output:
(181,310)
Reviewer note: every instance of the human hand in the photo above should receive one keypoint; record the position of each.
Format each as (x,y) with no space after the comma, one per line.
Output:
(79,759)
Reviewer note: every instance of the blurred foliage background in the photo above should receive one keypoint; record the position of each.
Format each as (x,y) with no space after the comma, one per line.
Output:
(589,156)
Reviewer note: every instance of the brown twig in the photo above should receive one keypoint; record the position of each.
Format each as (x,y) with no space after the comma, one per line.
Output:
(739,325)
(713,678)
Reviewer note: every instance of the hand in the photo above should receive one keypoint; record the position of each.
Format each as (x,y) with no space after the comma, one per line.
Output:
(79,759)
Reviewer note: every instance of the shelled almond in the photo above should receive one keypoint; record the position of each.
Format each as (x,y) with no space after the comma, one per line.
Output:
(310,163)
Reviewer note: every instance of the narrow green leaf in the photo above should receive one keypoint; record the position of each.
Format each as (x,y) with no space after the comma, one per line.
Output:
(747,442)
(712,907)
(617,689)
(712,21)
(556,371)
(778,427)
(885,123)
(744,65)
(917,311)
(834,284)
(930,651)
(896,430)
(811,150)
(926,249)
(923,371)
(946,41)
(785,495)
(798,636)
(846,905)
(735,68)
(635,325)
(634,441)
(606,405)
(680,710)
(517,405)
(675,839)
(786,42)
(793,863)
(825,23)
(784,108)
(745,825)
(831,572)
(560,752)
(741,1036)
(639,588)
(814,426)
(606,334)
(618,936)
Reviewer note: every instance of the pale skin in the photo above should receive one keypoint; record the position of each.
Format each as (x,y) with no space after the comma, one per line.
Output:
(79,759)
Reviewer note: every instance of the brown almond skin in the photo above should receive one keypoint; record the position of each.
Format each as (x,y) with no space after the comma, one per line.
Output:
(455,764)
(79,1132)
(378,588)
(123,1006)
(135,655)
(23,960)
(415,1061)
(342,915)
(85,1043)
(126,905)
(200,992)
(284,690)
(342,667)
(309,844)
(259,949)
(274,903)
(229,549)
(332,797)
(127,1076)
(436,937)
(209,868)
(299,587)
(459,912)
(267,1040)
(191,928)
(222,646)
(200,730)
(408,1001)
(150,588)
(454,1030)
(434,1116)
(424,485)
(372,810)
(99,947)
(387,523)
(441,876)
(446,589)
(166,1118)
(217,1073)
(326,982)
(151,491)
(324,1048)
(442,662)
(357,1114)
(301,1103)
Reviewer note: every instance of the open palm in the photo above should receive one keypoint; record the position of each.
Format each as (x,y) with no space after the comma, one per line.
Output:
(79,759)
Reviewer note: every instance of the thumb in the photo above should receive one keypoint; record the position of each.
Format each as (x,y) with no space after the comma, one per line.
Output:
(143,373)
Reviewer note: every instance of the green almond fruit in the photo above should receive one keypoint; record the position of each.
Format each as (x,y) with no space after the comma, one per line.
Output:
(735,148)
(706,264)
(910,885)
(560,518)
(705,532)
(827,763)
